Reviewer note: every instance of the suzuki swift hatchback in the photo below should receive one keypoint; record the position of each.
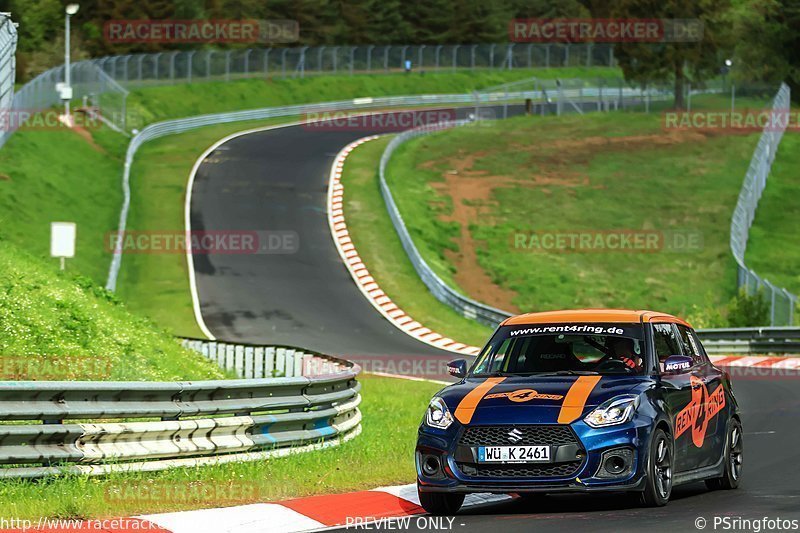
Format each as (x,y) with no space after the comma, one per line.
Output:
(581,401)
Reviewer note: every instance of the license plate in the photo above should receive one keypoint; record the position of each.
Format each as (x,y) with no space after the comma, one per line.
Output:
(513,454)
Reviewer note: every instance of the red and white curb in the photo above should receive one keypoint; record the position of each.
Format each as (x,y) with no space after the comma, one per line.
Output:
(365,282)
(308,514)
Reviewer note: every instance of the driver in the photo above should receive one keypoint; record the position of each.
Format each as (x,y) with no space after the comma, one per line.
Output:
(622,350)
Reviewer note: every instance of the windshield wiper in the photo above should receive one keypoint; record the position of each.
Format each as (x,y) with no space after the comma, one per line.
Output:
(570,373)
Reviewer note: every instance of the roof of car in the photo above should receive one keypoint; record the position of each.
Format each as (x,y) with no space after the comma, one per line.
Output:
(593,316)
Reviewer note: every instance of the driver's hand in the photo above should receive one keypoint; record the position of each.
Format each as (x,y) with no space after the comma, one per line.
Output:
(630,363)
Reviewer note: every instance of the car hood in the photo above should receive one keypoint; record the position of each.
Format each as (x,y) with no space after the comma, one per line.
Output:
(535,400)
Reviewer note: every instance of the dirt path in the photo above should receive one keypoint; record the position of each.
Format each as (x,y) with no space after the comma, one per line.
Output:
(471,193)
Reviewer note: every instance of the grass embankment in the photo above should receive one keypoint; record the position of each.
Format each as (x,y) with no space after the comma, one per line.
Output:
(151,104)
(466,193)
(48,176)
(58,326)
(382,455)
(773,249)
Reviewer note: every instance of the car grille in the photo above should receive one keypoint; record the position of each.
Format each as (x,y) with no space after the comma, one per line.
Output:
(538,435)
(569,469)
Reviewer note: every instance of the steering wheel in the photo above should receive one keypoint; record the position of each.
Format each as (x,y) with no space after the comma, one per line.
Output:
(613,365)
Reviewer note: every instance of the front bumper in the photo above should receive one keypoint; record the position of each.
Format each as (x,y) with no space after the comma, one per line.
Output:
(577,466)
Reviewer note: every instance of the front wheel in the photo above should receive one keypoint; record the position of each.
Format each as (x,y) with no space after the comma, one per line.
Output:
(440,503)
(659,470)
(733,460)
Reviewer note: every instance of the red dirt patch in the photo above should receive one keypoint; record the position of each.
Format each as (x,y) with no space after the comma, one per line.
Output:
(471,191)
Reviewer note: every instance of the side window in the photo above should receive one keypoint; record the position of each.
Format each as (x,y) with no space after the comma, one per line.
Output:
(689,345)
(701,352)
(666,341)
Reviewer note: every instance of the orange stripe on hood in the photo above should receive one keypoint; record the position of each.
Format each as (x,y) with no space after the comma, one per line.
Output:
(576,399)
(466,408)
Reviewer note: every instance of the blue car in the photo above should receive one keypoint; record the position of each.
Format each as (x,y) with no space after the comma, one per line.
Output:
(581,401)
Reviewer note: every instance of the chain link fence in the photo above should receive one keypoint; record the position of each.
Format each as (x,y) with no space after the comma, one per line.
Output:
(8,47)
(782,303)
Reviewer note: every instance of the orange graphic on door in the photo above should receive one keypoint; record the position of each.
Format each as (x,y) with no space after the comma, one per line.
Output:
(701,409)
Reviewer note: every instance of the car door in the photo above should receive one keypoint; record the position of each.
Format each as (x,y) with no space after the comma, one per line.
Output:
(676,391)
(709,429)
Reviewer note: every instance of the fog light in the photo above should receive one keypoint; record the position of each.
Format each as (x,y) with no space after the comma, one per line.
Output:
(430,465)
(615,463)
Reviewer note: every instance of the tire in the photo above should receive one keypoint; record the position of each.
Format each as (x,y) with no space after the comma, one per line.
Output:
(440,503)
(734,448)
(658,487)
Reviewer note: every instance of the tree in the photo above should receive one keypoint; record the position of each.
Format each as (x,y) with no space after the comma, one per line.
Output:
(767,41)
(647,63)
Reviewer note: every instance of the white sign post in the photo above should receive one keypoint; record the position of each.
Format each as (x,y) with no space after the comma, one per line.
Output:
(62,240)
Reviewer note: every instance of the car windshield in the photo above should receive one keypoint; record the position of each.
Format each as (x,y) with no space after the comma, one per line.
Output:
(564,349)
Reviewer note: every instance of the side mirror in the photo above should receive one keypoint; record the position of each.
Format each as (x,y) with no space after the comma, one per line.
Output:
(678,364)
(457,368)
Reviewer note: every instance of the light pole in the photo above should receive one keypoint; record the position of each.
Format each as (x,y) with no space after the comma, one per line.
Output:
(70,10)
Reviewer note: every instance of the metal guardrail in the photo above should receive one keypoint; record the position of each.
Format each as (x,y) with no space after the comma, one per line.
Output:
(782,303)
(166,425)
(751,340)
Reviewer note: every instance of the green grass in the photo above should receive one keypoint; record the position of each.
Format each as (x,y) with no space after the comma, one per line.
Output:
(58,326)
(150,104)
(380,249)
(48,176)
(560,174)
(773,249)
(382,455)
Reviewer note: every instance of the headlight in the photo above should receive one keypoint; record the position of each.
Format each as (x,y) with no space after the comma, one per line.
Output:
(438,415)
(615,411)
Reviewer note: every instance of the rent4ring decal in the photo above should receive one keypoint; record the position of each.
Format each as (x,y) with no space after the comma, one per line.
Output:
(700,411)
(523,395)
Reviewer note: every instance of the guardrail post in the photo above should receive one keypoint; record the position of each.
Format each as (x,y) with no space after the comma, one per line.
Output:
(258,362)
(280,361)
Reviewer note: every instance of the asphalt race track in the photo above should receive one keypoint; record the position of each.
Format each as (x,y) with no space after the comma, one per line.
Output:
(770,486)
(277,180)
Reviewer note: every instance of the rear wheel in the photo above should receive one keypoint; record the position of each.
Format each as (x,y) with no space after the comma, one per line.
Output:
(659,470)
(440,503)
(733,460)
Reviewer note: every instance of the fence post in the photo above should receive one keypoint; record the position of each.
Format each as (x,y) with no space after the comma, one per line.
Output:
(547,56)
(491,55)
(228,65)
(436,54)
(386,58)
(472,57)
(247,61)
(335,53)
(530,50)
(189,66)
(352,58)
(139,67)
(319,57)
(369,57)
(283,62)
(455,55)
(420,57)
